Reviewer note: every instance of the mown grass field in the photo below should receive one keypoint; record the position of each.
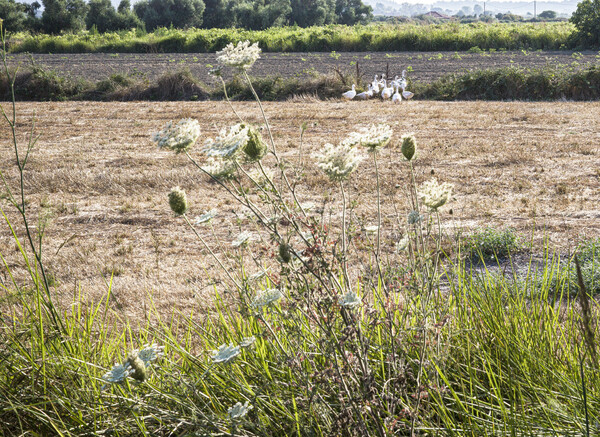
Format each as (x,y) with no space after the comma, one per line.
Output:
(532,166)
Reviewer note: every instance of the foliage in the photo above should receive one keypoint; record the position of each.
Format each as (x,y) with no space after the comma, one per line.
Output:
(587,21)
(491,243)
(13,14)
(373,37)
(63,16)
(103,16)
(170,13)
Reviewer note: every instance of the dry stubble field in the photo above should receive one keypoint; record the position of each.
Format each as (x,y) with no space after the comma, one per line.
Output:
(527,165)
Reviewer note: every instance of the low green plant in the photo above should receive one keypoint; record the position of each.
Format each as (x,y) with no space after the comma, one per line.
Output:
(491,243)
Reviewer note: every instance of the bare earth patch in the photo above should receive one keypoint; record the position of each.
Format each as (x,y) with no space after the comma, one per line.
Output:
(534,166)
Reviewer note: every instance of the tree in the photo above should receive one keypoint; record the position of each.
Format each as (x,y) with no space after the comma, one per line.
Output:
(477,10)
(101,14)
(217,14)
(312,12)
(13,15)
(352,12)
(548,15)
(63,15)
(261,14)
(587,21)
(165,13)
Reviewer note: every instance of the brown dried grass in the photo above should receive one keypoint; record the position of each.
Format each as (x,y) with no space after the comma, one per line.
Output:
(527,165)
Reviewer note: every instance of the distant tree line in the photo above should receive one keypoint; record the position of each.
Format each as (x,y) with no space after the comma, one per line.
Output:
(100,15)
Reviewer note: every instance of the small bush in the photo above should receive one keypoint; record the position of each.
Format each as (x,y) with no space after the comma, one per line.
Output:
(491,243)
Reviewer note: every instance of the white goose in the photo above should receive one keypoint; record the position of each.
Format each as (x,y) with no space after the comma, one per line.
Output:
(407,95)
(375,85)
(387,92)
(349,95)
(397,98)
(365,94)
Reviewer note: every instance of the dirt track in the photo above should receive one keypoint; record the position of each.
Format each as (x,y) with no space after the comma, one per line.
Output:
(426,66)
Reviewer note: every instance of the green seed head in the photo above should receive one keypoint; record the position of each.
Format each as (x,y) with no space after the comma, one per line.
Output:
(255,148)
(284,252)
(409,146)
(178,201)
(140,374)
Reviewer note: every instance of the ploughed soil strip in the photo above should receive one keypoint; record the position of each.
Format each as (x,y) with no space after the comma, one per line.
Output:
(426,66)
(534,166)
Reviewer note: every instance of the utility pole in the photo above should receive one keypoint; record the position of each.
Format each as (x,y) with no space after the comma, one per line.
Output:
(534,9)
(484,9)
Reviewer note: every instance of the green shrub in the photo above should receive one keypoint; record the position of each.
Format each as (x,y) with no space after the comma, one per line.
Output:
(491,243)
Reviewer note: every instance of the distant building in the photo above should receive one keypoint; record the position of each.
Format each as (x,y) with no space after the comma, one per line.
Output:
(436,14)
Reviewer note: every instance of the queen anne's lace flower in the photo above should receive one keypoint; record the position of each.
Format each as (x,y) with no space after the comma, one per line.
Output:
(238,410)
(178,201)
(338,161)
(241,56)
(179,137)
(118,373)
(402,245)
(225,353)
(206,217)
(435,195)
(371,229)
(150,353)
(350,300)
(229,142)
(409,146)
(375,137)
(247,341)
(219,168)
(266,297)
(242,239)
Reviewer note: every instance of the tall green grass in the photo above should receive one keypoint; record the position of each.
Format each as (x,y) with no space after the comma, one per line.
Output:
(372,37)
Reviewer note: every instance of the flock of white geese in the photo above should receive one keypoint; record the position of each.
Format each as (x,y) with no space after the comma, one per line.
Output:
(380,86)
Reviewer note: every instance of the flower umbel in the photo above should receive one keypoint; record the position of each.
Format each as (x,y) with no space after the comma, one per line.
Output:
(375,137)
(242,239)
(338,161)
(435,195)
(247,341)
(219,168)
(265,298)
(118,373)
(241,56)
(150,353)
(403,244)
(229,142)
(350,300)
(206,217)
(179,137)
(225,353)
(239,410)
(178,201)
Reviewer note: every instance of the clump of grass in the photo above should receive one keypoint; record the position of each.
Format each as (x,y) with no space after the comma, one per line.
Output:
(492,243)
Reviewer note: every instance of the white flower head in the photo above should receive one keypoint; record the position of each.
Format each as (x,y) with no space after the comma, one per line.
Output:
(239,410)
(118,373)
(150,353)
(338,161)
(242,239)
(371,229)
(403,244)
(225,353)
(375,137)
(435,195)
(179,137)
(241,56)
(219,168)
(266,297)
(247,341)
(229,142)
(206,217)
(350,300)
(256,276)
(262,179)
